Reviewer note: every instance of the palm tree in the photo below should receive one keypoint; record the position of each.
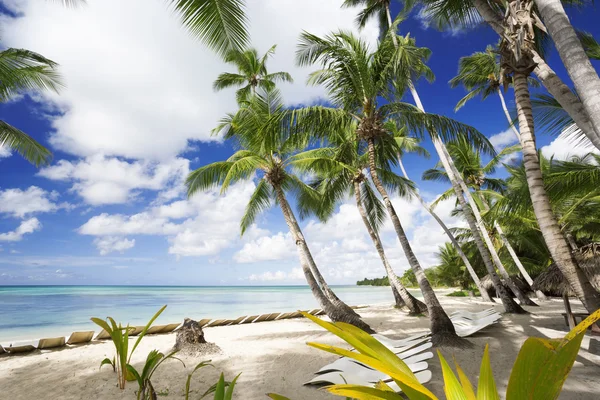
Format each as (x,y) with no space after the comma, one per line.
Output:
(518,60)
(469,164)
(22,71)
(458,13)
(261,126)
(339,171)
(573,55)
(252,73)
(356,78)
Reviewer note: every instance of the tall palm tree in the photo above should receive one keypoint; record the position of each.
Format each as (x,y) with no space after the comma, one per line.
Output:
(414,67)
(518,61)
(475,174)
(261,127)
(22,71)
(413,60)
(339,171)
(356,78)
(573,55)
(459,13)
(252,73)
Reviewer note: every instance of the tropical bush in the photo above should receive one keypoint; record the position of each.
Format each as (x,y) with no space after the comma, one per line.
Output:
(120,338)
(153,361)
(539,372)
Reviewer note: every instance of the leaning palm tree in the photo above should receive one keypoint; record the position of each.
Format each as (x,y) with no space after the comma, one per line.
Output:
(475,174)
(518,60)
(262,129)
(460,13)
(356,79)
(23,71)
(252,73)
(339,172)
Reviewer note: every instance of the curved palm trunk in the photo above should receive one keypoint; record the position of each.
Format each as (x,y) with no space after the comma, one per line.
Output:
(414,306)
(399,303)
(578,65)
(541,296)
(442,329)
(334,313)
(506,113)
(484,294)
(555,86)
(325,287)
(559,249)
(510,306)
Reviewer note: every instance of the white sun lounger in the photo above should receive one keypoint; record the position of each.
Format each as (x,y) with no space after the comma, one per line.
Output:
(464,329)
(341,379)
(474,315)
(348,364)
(21,347)
(357,373)
(402,342)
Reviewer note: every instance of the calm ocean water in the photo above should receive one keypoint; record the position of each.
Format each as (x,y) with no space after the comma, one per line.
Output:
(29,312)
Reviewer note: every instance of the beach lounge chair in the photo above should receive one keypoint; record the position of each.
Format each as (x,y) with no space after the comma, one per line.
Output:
(401,342)
(250,319)
(155,329)
(216,322)
(80,337)
(203,322)
(466,328)
(474,316)
(341,379)
(2,351)
(51,343)
(170,328)
(266,317)
(21,347)
(239,320)
(358,373)
(103,335)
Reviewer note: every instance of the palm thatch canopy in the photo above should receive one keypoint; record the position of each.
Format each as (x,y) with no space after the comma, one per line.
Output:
(552,282)
(486,281)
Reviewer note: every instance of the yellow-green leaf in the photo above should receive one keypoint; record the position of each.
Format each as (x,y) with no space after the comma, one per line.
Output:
(465,382)
(452,387)
(486,388)
(276,396)
(362,392)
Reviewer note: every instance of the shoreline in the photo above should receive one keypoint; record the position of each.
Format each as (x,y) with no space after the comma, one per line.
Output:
(273,357)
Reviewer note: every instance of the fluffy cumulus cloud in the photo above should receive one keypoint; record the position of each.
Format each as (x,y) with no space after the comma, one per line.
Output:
(504,139)
(204,225)
(344,251)
(109,244)
(563,148)
(20,203)
(28,226)
(138,85)
(102,180)
(294,275)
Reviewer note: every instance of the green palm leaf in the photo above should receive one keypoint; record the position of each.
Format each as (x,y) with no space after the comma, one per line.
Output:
(24,144)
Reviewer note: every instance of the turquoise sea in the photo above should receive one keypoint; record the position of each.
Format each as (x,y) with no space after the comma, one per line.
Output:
(30,312)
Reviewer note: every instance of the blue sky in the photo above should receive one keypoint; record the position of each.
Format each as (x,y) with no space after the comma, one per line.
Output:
(135,118)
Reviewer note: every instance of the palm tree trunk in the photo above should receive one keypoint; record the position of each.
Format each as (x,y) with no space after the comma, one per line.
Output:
(333,312)
(484,293)
(541,296)
(442,329)
(510,306)
(507,114)
(414,306)
(578,65)
(555,86)
(559,249)
(389,18)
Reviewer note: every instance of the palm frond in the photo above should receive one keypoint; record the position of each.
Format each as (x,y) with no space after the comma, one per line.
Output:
(220,24)
(376,211)
(590,45)
(207,177)
(25,145)
(259,202)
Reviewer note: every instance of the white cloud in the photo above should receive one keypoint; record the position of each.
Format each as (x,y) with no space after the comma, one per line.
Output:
(295,274)
(504,139)
(20,203)
(138,85)
(5,152)
(101,180)
(211,222)
(563,148)
(267,248)
(28,226)
(109,244)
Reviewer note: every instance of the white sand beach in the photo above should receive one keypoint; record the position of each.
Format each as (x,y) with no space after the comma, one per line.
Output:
(273,357)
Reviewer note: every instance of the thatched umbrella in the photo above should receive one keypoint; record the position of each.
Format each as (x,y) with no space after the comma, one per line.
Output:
(487,284)
(552,282)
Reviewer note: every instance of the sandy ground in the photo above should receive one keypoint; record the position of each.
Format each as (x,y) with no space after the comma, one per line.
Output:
(273,357)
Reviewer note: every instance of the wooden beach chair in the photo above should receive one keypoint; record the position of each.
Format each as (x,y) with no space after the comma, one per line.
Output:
(216,322)
(2,351)
(239,320)
(51,343)
(80,337)
(170,327)
(250,319)
(272,316)
(103,335)
(203,322)
(21,347)
(153,330)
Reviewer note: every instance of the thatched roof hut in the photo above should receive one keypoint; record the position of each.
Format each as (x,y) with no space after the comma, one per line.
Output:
(552,282)
(486,282)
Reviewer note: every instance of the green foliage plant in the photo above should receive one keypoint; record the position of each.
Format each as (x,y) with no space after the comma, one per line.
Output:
(120,338)
(153,361)
(539,372)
